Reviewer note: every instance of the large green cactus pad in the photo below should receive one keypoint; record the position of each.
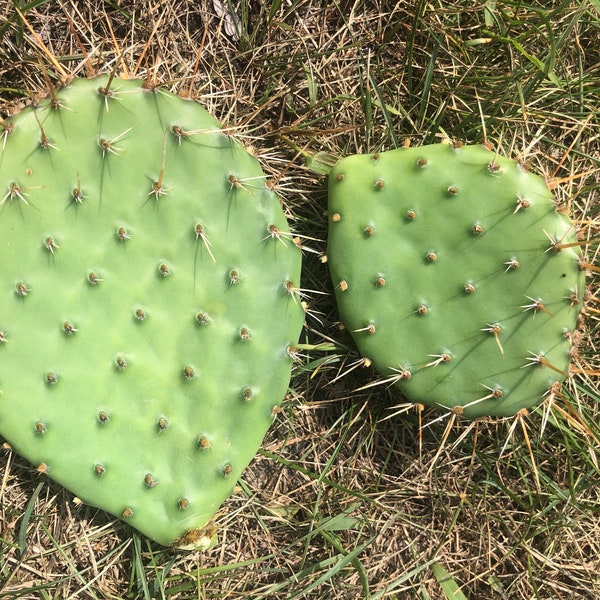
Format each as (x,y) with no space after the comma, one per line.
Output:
(454,274)
(148,302)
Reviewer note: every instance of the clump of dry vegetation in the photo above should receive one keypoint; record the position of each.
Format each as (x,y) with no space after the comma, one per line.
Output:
(354,494)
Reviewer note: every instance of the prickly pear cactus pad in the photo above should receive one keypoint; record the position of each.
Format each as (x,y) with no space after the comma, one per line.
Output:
(148,302)
(455,275)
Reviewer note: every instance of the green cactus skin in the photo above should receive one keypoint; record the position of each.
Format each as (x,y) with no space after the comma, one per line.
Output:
(148,302)
(453,275)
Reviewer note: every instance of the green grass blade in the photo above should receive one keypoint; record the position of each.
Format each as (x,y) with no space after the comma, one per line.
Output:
(27,517)
(449,586)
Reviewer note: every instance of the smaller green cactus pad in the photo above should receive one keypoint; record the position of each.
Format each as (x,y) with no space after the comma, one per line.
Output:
(148,302)
(453,272)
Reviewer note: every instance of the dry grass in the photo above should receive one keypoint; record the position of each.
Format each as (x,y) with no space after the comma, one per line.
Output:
(343,502)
